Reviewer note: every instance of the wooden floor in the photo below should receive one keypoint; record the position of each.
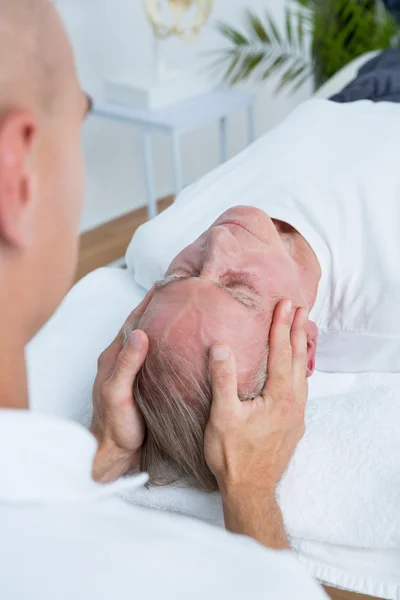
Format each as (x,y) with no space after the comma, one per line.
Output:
(109,242)
(336,594)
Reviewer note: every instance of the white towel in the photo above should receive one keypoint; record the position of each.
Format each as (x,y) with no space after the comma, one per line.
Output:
(343,485)
(342,489)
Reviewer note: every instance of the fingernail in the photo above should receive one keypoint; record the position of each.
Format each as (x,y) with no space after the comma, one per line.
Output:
(135,340)
(220,353)
(288,306)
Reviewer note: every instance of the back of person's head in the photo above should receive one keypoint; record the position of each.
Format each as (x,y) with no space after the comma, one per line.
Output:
(173,393)
(41,165)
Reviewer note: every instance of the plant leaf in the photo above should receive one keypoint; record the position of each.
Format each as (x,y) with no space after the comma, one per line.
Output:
(274,30)
(300,30)
(230,70)
(306,3)
(290,76)
(248,66)
(288,19)
(300,82)
(220,64)
(274,66)
(256,26)
(233,35)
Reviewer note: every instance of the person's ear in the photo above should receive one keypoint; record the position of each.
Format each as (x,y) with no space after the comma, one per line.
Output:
(18,131)
(312,337)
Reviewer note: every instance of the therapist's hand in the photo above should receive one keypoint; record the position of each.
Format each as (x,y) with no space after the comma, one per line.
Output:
(248,445)
(117,423)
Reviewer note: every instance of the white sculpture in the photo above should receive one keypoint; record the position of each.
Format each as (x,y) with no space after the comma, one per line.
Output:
(187,17)
(153,89)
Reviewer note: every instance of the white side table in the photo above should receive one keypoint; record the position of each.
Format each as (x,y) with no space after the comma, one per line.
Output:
(177,119)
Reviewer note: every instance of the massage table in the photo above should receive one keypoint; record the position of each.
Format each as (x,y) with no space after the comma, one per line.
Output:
(341,494)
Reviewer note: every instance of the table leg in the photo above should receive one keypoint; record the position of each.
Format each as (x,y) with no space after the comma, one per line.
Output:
(252,127)
(223,139)
(149,172)
(177,162)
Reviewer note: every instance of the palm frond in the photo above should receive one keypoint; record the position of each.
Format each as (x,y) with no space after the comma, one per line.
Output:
(337,31)
(288,26)
(310,4)
(274,66)
(301,81)
(291,76)
(272,26)
(231,34)
(256,27)
(248,64)
(300,30)
(262,49)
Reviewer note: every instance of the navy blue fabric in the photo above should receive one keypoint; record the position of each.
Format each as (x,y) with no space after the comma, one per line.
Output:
(378,80)
(393,6)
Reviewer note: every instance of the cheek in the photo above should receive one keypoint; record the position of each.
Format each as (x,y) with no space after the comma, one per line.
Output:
(64,200)
(66,186)
(278,278)
(72,176)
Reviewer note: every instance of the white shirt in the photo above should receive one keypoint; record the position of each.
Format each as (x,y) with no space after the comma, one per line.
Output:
(65,537)
(332,172)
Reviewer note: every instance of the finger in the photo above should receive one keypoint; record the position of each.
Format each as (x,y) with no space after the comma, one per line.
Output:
(223,379)
(129,362)
(279,378)
(110,355)
(299,354)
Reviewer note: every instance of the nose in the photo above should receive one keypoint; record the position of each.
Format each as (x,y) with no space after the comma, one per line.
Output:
(221,253)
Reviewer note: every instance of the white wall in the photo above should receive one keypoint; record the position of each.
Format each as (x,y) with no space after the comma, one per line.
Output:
(111,36)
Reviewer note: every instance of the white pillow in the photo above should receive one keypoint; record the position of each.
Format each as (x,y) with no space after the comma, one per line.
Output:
(62,358)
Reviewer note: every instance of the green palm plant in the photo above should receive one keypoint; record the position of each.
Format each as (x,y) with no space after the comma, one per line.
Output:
(319,37)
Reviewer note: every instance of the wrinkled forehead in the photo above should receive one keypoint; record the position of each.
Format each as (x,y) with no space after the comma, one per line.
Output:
(190,318)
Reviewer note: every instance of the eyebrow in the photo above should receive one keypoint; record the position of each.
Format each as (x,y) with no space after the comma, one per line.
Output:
(240,297)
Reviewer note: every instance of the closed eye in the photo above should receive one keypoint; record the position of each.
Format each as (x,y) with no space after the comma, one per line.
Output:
(238,280)
(237,284)
(184,271)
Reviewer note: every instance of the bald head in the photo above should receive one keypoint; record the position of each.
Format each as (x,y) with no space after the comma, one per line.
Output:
(36,55)
(42,109)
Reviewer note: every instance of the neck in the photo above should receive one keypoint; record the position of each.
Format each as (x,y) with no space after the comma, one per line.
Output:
(13,379)
(305,258)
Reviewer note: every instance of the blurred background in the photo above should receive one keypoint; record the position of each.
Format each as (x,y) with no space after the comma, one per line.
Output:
(110,37)
(258,44)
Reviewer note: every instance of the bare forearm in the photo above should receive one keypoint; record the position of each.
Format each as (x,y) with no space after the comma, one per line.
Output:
(257,516)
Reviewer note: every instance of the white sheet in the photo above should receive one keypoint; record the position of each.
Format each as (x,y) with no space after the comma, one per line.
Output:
(341,495)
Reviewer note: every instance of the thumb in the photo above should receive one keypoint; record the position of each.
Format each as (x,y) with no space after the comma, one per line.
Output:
(223,379)
(130,360)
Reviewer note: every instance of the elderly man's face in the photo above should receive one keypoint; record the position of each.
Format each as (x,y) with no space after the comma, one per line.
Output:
(224,287)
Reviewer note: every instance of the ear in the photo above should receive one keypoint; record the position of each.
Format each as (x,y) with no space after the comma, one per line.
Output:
(18,131)
(312,337)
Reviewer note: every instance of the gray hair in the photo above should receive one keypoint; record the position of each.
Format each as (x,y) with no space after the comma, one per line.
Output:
(173,394)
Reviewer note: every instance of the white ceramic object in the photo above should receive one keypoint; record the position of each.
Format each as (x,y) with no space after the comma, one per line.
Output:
(186,17)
